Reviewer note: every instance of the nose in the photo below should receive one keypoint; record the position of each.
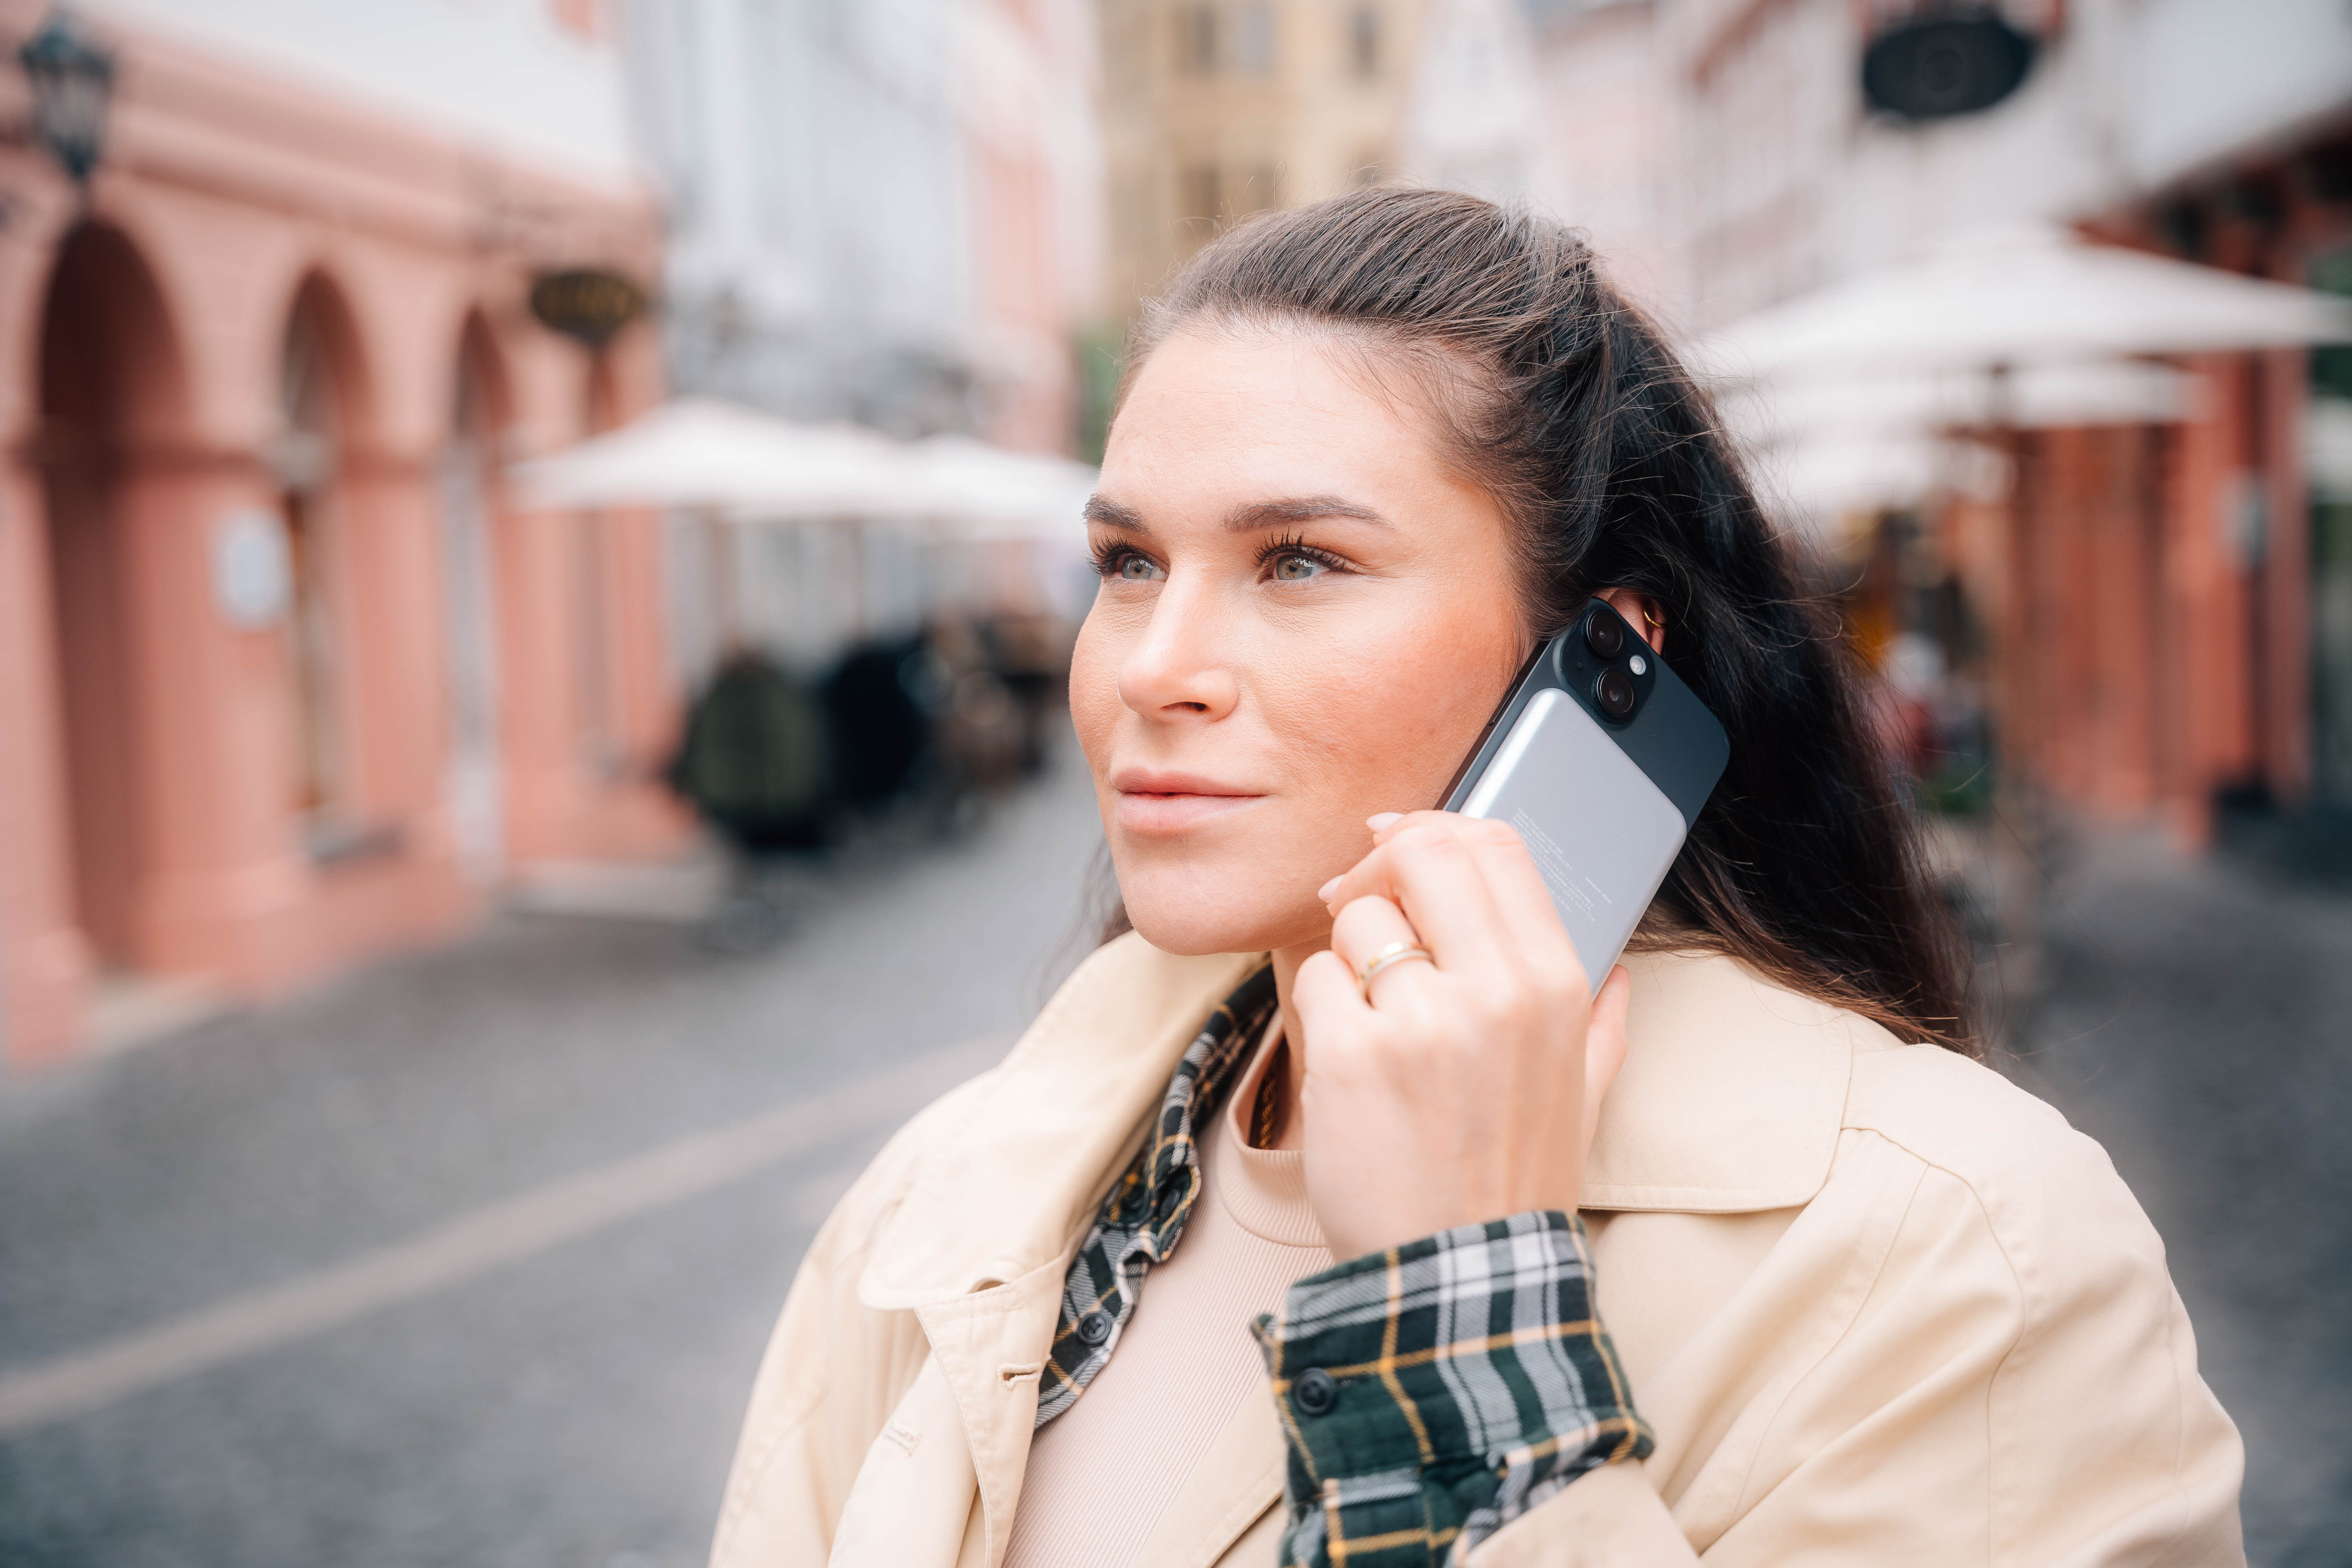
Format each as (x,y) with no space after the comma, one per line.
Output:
(1180,668)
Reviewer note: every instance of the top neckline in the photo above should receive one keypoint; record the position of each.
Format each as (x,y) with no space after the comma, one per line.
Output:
(1265,1190)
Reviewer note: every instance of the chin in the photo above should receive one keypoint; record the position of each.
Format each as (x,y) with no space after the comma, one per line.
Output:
(1194,916)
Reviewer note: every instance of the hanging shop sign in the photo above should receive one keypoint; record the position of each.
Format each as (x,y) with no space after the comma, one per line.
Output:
(586,303)
(1945,63)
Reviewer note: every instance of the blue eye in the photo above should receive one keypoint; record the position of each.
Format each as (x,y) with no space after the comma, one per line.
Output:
(1126,566)
(1297,568)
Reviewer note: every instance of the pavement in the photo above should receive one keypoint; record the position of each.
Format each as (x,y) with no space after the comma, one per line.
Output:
(467,1258)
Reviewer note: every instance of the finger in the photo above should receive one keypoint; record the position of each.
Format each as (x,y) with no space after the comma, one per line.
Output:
(1387,825)
(1432,873)
(1604,1045)
(1526,901)
(1324,994)
(1516,886)
(1364,926)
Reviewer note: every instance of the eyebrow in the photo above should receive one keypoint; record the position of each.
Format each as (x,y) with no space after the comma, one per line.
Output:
(1244,519)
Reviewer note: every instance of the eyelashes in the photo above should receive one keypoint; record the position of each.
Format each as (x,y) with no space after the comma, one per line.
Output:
(1283,545)
(1112,555)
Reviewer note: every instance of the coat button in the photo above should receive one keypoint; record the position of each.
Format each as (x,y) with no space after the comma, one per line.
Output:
(1094,1328)
(1315,1391)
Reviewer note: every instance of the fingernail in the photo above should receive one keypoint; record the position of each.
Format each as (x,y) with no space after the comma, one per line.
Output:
(1379,821)
(1324,892)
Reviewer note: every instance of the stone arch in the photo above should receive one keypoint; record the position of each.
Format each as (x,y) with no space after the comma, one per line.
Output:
(113,401)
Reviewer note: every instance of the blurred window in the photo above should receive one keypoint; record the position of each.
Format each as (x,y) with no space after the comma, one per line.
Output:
(1253,39)
(1196,39)
(1364,42)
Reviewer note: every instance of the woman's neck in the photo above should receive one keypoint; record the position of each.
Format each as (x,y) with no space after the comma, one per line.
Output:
(1289,1127)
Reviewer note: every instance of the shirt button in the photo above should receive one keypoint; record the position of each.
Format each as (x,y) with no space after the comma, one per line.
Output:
(1315,1391)
(1094,1328)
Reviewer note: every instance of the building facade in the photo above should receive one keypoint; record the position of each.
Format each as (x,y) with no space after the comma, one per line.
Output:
(1213,110)
(881,211)
(284,678)
(2157,614)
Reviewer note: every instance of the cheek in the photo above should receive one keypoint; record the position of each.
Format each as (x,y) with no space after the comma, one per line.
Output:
(1381,721)
(1094,684)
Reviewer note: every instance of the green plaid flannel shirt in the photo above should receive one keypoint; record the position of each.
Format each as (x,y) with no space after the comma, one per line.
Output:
(1430,1393)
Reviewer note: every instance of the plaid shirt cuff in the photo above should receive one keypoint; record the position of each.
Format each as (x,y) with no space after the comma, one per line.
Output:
(1434,1393)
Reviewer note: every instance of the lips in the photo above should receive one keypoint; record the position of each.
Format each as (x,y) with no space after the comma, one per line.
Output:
(1166,802)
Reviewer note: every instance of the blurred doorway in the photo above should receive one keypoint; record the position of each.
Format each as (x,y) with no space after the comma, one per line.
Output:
(321,388)
(111,390)
(474,784)
(2328,451)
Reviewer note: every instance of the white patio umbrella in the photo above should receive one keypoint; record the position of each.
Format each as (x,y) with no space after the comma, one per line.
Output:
(2021,294)
(982,492)
(703,454)
(1824,445)
(2032,396)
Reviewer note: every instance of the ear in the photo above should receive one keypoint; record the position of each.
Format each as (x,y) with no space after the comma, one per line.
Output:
(1641,612)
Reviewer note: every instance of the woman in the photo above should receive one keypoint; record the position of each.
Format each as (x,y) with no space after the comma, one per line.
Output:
(1865,1302)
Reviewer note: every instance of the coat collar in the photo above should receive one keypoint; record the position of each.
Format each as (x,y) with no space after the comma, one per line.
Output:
(1730,1100)
(1010,1184)
(1732,1093)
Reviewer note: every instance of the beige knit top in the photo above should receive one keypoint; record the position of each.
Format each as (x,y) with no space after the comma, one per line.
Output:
(1101,1472)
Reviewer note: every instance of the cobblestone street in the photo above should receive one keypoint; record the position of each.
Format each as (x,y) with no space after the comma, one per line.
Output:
(567,1403)
(480,1247)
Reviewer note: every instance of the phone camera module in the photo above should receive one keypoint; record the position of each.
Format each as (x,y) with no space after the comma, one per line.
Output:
(1604,634)
(1614,692)
(1638,665)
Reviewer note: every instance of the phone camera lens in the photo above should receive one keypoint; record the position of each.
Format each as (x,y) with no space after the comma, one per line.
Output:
(1614,692)
(1604,635)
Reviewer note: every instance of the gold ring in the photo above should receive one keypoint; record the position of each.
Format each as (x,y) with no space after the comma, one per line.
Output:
(1395,953)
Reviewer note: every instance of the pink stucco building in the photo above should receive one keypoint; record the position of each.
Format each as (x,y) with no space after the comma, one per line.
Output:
(284,680)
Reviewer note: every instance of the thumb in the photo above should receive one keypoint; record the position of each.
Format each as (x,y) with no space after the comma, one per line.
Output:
(1604,1045)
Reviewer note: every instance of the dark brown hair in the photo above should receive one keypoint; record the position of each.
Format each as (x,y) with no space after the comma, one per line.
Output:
(1564,403)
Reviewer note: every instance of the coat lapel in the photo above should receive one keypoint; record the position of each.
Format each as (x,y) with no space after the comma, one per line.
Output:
(978,1248)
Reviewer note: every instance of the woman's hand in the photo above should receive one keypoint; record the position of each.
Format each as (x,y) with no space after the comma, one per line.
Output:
(1466,1088)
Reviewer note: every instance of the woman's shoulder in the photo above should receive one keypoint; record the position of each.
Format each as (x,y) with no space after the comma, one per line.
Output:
(2003,1174)
(1961,1116)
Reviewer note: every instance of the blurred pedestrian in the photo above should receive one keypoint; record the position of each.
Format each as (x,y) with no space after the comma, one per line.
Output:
(1865,1300)
(756,766)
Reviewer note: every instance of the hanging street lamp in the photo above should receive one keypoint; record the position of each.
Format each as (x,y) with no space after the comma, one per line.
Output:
(73,79)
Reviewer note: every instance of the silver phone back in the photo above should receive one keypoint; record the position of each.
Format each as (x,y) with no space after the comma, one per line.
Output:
(1602,835)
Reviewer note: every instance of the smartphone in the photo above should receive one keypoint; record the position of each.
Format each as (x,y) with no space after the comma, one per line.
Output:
(1601,758)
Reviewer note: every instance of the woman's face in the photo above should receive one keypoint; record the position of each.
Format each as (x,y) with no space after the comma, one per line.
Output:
(1305,618)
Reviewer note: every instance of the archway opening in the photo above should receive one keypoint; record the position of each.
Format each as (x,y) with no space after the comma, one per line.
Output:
(111,394)
(474,788)
(600,730)
(321,408)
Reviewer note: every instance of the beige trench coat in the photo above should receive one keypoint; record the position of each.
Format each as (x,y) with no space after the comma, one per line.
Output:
(1879,1306)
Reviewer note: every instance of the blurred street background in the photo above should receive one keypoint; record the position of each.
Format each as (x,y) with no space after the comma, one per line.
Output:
(539,548)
